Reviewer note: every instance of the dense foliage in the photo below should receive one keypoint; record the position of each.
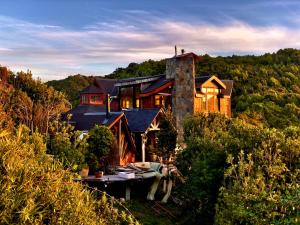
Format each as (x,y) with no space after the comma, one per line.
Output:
(99,140)
(28,101)
(68,146)
(147,68)
(256,170)
(35,189)
(167,135)
(238,171)
(38,188)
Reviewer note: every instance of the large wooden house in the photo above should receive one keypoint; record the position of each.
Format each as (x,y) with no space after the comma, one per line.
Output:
(141,100)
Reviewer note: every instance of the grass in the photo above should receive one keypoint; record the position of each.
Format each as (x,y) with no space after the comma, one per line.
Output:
(145,213)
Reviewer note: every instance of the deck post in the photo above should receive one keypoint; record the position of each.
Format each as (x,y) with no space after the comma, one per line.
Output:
(144,141)
(127,192)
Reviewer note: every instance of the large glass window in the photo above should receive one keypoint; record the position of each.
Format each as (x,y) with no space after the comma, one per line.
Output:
(96,99)
(126,103)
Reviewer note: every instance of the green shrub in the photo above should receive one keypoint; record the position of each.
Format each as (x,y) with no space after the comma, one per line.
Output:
(35,189)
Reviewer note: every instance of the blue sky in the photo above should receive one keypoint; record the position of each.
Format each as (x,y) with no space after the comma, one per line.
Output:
(57,38)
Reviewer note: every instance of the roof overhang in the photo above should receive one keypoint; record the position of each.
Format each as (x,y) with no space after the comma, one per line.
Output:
(129,82)
(216,80)
(157,90)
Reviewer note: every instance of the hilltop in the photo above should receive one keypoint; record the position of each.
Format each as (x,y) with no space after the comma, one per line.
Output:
(266,87)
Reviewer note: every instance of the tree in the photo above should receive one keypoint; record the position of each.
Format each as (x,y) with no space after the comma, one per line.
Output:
(67,145)
(262,187)
(100,140)
(167,135)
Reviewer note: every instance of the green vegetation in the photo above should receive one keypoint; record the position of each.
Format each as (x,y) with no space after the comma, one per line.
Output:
(166,137)
(147,68)
(99,140)
(67,146)
(249,174)
(35,189)
(243,170)
(30,102)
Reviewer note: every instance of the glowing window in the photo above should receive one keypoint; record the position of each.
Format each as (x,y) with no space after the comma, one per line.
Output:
(96,99)
(157,100)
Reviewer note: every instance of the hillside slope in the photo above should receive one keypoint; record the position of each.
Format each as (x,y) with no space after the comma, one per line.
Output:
(266,88)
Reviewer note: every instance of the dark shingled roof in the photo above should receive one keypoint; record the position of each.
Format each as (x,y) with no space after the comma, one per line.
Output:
(87,108)
(83,121)
(202,79)
(140,120)
(137,80)
(101,85)
(156,84)
(108,85)
(229,87)
(92,89)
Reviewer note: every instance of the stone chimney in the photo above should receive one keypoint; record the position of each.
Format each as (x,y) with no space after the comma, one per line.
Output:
(181,68)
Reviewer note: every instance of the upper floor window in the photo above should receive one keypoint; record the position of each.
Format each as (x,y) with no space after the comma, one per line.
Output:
(96,99)
(159,100)
(210,90)
(84,99)
(126,103)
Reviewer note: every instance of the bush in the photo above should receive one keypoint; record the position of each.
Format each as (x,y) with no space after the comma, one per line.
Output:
(35,189)
(100,140)
(257,184)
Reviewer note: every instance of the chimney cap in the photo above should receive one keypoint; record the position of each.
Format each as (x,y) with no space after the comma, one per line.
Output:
(190,55)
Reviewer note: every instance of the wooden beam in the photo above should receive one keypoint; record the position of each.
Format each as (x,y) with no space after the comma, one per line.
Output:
(144,141)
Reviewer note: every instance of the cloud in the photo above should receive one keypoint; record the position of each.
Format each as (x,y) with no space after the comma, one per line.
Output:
(52,52)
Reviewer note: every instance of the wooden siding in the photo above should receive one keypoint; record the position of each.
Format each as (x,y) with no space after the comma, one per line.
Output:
(122,150)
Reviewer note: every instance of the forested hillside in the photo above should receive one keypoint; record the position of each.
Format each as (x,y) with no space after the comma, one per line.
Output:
(245,169)
(266,88)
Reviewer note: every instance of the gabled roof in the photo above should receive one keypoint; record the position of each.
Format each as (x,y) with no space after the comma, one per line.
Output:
(85,121)
(101,86)
(204,79)
(140,120)
(157,85)
(93,89)
(107,84)
(87,108)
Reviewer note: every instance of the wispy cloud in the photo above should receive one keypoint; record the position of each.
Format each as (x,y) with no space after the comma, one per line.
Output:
(54,51)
